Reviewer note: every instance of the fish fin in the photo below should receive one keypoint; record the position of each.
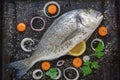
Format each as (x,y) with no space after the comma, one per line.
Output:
(70,36)
(21,66)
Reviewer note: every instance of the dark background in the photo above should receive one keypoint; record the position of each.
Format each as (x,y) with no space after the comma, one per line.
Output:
(1,25)
(110,66)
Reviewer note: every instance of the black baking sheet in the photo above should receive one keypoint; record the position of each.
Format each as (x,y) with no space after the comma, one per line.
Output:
(15,11)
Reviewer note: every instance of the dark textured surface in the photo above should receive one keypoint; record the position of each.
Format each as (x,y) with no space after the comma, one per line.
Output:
(14,12)
(1,25)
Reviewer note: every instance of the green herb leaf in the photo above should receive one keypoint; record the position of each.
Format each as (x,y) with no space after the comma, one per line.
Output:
(100,47)
(52,73)
(86,70)
(86,63)
(94,65)
(99,50)
(100,54)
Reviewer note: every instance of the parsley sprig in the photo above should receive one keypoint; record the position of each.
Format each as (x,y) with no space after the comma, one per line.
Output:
(89,65)
(99,50)
(52,73)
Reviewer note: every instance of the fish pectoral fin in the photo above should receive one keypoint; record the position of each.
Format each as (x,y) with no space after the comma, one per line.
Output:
(71,35)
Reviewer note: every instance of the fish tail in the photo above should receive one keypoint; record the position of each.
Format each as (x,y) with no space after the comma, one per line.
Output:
(21,66)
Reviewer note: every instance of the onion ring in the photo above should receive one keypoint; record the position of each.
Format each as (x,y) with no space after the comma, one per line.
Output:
(60,62)
(23,42)
(86,58)
(37,17)
(59,74)
(51,2)
(36,71)
(77,76)
(99,40)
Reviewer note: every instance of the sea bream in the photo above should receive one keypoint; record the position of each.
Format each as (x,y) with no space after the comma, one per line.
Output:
(64,34)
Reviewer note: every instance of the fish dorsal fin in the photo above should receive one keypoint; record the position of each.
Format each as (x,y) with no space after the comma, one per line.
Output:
(71,35)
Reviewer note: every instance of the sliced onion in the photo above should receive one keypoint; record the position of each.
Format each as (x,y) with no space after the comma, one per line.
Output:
(60,62)
(37,17)
(99,40)
(23,42)
(77,76)
(47,4)
(36,71)
(59,74)
(86,58)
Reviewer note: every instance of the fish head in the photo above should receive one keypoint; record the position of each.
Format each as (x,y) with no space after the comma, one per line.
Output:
(90,18)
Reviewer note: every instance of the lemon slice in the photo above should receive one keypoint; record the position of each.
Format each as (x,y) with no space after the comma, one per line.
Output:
(79,49)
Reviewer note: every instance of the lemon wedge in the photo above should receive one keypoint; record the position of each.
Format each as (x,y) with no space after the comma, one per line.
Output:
(79,49)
